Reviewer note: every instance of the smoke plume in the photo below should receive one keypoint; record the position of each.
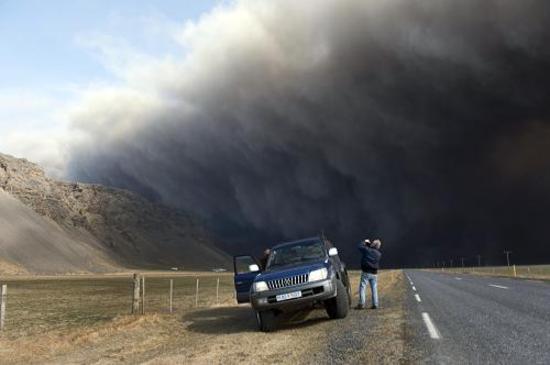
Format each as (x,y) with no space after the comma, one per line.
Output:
(424,123)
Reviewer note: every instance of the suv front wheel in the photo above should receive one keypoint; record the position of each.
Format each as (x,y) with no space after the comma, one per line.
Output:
(266,320)
(338,306)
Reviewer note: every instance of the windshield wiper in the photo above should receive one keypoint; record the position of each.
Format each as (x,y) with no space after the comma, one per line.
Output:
(311,258)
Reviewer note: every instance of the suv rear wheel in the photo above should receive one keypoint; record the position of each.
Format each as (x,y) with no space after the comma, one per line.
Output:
(266,320)
(338,306)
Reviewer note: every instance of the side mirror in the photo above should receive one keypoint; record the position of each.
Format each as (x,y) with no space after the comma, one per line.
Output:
(333,251)
(253,268)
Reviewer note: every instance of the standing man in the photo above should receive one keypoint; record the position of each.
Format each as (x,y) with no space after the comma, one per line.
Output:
(370,263)
(265,257)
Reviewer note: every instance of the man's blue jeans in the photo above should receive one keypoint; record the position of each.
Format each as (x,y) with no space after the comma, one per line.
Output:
(372,279)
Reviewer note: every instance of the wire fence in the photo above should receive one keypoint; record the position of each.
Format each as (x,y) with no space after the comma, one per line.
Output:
(33,306)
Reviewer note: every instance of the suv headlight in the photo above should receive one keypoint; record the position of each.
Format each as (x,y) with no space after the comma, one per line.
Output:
(260,286)
(319,274)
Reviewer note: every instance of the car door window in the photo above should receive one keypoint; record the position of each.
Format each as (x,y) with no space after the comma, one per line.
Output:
(243,264)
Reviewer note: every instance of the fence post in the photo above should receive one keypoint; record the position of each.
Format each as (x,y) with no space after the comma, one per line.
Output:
(515,273)
(197,294)
(218,291)
(171,293)
(3,296)
(135,299)
(143,294)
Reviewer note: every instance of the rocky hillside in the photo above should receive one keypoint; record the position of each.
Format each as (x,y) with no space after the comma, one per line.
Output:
(129,230)
(29,243)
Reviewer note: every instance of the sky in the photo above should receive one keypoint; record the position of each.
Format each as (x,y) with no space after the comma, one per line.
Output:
(53,52)
(425,124)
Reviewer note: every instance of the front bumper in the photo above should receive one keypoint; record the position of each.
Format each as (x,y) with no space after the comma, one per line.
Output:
(317,291)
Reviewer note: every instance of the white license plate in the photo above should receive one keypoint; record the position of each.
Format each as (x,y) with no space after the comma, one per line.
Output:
(287,296)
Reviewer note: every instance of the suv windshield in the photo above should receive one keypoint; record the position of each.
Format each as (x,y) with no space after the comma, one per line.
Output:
(297,253)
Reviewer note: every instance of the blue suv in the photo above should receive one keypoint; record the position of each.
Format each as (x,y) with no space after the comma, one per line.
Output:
(297,275)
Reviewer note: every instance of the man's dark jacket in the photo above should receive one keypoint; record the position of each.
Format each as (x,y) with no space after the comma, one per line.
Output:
(370,258)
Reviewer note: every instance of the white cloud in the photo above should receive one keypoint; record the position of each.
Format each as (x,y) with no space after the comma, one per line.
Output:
(38,124)
(35,125)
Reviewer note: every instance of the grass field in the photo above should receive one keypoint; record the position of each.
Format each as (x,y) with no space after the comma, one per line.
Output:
(87,321)
(37,305)
(523,271)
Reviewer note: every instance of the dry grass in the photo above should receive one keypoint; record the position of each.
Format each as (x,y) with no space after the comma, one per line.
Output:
(523,271)
(9,268)
(38,306)
(48,325)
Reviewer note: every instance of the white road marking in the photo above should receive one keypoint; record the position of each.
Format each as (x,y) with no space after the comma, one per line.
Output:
(457,278)
(417,298)
(498,286)
(434,333)
(414,288)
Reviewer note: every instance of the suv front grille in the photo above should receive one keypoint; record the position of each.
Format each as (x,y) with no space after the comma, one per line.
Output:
(289,281)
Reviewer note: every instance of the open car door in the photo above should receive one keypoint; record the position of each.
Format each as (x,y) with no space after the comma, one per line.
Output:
(246,269)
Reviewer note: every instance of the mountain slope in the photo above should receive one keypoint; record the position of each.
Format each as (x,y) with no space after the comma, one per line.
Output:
(30,241)
(122,226)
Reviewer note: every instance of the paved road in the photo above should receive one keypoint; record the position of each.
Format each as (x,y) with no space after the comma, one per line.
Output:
(466,319)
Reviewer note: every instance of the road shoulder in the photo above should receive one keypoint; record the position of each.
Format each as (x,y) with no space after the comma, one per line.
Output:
(372,336)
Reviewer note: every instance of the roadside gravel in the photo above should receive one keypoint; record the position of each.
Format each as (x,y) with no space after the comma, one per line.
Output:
(370,336)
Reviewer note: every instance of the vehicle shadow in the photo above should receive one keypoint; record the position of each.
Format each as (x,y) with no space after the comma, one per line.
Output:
(239,319)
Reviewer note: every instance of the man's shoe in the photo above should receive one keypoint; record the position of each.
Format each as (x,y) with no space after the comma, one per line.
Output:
(359,307)
(374,307)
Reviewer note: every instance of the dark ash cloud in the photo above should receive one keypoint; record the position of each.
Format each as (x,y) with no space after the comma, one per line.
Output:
(425,123)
